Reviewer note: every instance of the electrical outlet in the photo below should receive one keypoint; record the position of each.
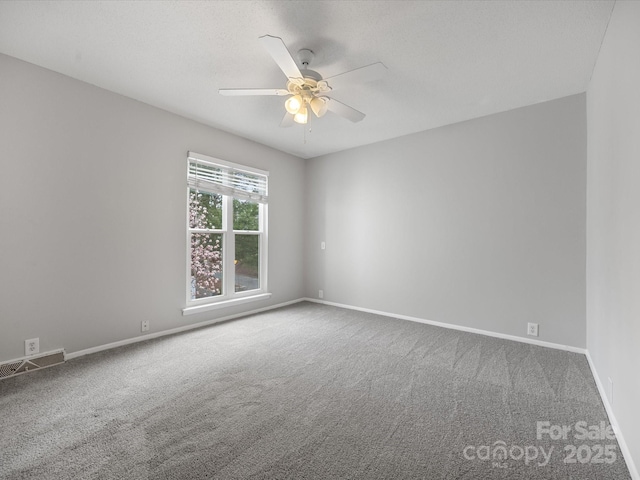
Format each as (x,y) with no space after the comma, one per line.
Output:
(322,245)
(532,329)
(144,325)
(320,294)
(32,346)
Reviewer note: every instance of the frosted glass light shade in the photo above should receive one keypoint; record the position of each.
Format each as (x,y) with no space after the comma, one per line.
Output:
(319,106)
(301,116)
(293,104)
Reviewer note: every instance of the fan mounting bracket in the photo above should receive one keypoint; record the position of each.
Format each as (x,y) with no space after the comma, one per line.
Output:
(305,57)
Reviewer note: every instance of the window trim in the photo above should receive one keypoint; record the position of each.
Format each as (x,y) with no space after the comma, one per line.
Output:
(229,297)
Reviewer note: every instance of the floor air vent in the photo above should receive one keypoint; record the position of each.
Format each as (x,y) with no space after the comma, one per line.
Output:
(16,367)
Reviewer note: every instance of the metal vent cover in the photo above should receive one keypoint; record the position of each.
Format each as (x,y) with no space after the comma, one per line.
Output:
(16,367)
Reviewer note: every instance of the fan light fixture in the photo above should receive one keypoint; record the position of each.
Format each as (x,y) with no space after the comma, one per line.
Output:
(306,92)
(302,98)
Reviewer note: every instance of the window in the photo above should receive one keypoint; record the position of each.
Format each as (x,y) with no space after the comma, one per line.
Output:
(226,233)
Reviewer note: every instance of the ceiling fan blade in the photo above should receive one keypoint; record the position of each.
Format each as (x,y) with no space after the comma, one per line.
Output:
(359,75)
(287,120)
(278,51)
(234,92)
(345,111)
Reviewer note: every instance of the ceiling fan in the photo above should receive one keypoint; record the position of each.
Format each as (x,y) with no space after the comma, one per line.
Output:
(306,89)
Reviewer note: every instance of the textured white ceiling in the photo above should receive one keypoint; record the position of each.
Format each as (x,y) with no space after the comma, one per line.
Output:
(447,61)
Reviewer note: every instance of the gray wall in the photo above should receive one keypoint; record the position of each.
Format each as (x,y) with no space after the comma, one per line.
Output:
(479,224)
(613,219)
(93,208)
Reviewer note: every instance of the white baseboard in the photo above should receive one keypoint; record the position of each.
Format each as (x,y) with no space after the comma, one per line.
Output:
(451,326)
(163,333)
(633,471)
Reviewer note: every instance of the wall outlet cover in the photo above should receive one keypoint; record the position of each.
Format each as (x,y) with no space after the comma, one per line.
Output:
(32,346)
(532,329)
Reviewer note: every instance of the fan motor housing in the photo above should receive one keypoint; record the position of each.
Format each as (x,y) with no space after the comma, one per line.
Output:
(311,74)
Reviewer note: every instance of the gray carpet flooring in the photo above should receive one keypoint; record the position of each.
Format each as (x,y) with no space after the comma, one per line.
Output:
(308,392)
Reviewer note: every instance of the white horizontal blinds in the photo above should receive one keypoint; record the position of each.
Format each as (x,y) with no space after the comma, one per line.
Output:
(213,175)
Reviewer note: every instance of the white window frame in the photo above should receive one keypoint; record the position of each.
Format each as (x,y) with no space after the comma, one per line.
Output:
(229,296)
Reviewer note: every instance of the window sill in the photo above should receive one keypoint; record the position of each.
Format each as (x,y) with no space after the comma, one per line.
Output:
(224,303)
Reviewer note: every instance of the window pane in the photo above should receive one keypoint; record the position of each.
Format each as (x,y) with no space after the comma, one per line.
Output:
(246,215)
(206,265)
(247,264)
(205,210)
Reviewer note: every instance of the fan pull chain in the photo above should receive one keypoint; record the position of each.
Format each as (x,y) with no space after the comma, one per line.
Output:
(305,134)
